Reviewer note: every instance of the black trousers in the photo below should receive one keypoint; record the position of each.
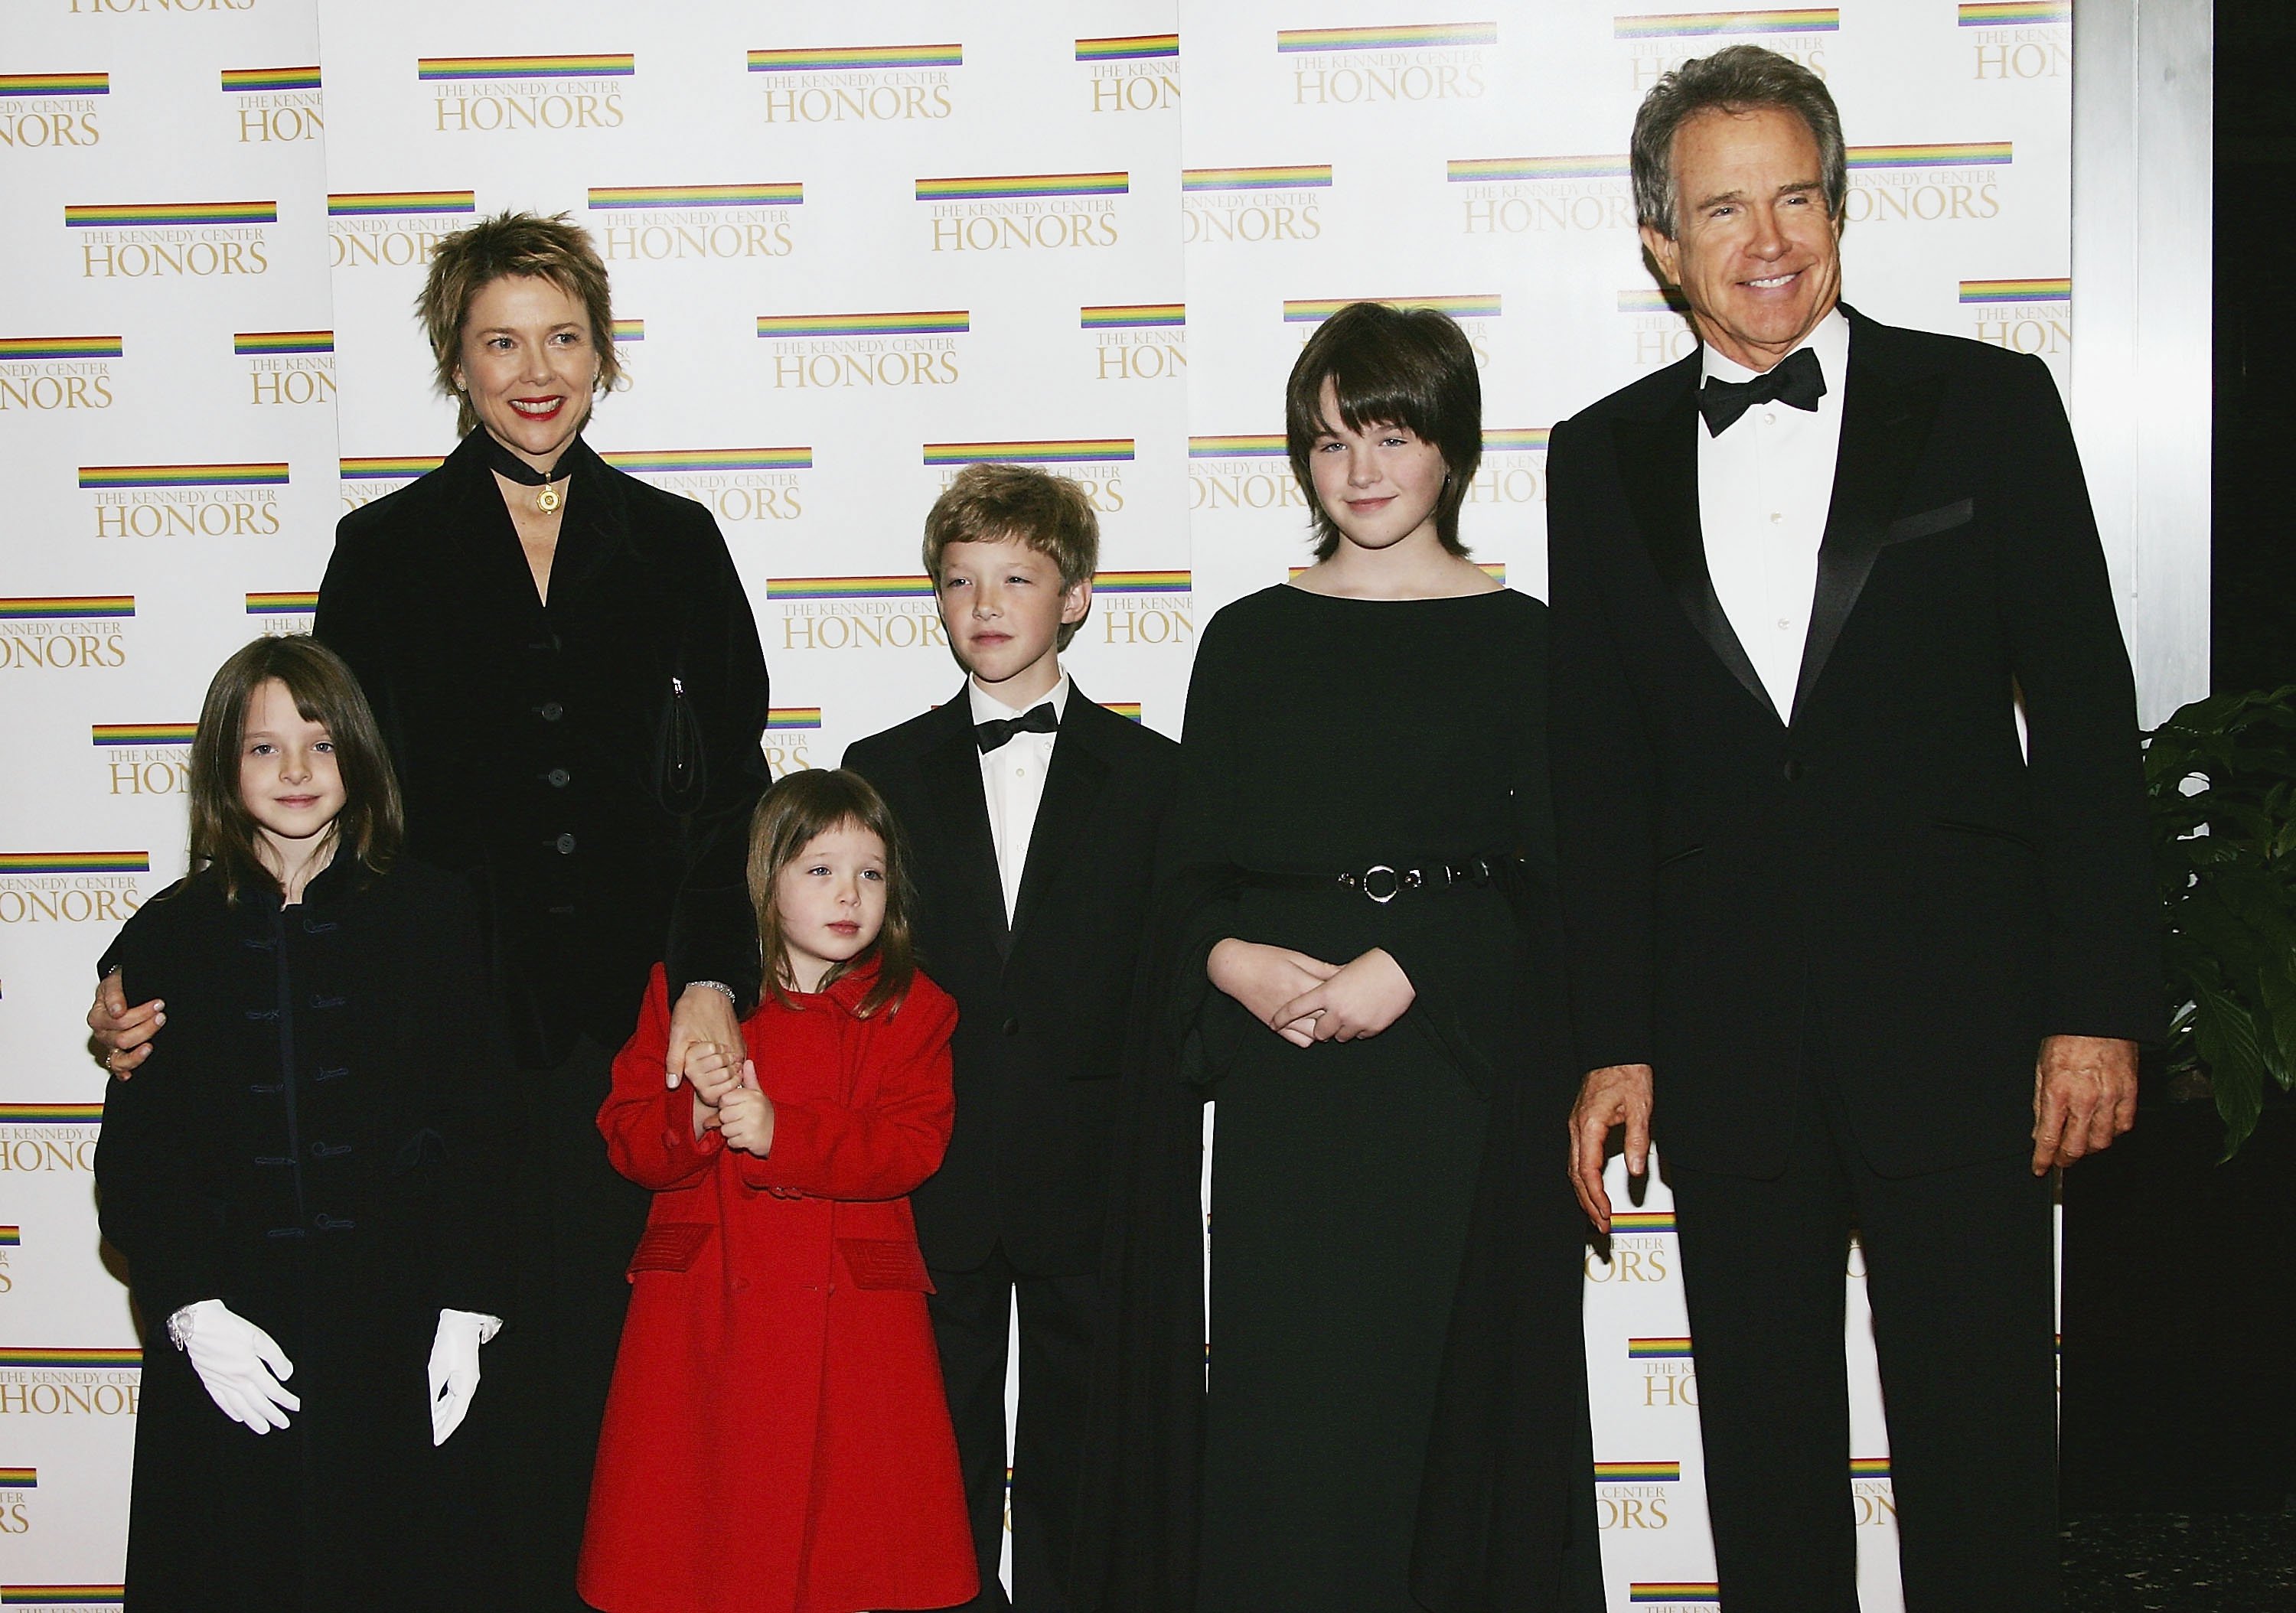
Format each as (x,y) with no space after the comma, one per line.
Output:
(1959,1272)
(972,1318)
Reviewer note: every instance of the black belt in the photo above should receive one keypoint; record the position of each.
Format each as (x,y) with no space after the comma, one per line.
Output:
(1382,883)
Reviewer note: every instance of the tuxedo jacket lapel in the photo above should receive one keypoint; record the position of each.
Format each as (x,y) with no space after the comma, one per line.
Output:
(1658,464)
(951,768)
(1885,422)
(1072,783)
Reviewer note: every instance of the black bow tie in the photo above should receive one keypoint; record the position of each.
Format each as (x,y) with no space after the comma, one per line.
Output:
(999,730)
(1798,383)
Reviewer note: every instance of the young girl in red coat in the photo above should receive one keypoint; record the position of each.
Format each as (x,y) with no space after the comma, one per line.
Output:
(777,1440)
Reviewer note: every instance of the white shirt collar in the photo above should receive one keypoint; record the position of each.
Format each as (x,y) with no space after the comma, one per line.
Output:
(987,708)
(1829,338)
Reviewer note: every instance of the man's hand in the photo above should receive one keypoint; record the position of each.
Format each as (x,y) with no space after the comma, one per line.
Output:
(1361,999)
(1265,979)
(702,1018)
(1617,1094)
(2084,1096)
(122,1035)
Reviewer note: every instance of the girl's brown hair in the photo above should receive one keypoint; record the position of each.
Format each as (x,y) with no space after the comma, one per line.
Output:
(370,826)
(799,807)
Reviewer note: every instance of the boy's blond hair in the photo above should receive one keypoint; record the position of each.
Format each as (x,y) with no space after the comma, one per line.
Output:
(1018,503)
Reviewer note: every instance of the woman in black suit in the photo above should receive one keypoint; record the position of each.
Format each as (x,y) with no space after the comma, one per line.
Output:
(567,673)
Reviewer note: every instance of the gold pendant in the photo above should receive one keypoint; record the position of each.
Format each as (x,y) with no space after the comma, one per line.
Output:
(547,501)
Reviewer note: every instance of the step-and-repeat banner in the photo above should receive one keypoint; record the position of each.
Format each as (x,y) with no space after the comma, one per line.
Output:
(853,249)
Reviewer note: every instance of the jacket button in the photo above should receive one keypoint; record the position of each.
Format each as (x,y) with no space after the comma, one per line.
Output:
(565,844)
(1012,1026)
(558,778)
(1794,771)
(551,710)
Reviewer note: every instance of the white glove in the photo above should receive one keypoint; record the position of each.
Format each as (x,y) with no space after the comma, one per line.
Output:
(454,1368)
(242,1365)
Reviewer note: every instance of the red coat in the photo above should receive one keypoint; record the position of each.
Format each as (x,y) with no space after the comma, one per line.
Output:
(777,1438)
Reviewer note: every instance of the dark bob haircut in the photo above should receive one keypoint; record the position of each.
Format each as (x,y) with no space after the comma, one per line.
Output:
(799,807)
(1389,366)
(370,826)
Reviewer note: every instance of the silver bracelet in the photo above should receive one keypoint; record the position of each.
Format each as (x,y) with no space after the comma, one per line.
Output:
(715,985)
(179,1328)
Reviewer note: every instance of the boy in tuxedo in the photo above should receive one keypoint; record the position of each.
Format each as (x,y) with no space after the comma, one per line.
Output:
(1032,815)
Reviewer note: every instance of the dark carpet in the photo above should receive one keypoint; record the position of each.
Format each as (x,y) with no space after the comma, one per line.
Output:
(2156,1562)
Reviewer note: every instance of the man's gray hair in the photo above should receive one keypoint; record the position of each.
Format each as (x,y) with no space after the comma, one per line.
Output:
(1742,79)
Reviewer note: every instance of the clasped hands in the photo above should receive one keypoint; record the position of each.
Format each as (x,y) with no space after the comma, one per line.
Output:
(727,1099)
(1304,1000)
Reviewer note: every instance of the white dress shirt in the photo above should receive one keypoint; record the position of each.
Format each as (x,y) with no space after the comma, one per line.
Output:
(1013,778)
(1764,487)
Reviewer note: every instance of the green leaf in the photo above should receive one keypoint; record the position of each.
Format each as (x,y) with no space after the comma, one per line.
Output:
(2228,1044)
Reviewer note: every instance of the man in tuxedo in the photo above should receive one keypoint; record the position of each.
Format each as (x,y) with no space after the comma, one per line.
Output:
(1031,815)
(1855,959)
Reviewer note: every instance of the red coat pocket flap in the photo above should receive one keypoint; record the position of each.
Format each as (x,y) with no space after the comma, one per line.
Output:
(674,1246)
(885,1263)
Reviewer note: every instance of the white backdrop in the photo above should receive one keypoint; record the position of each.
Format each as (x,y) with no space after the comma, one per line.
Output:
(852,248)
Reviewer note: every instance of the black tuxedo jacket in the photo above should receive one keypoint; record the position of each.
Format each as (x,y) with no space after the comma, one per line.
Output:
(1878,888)
(1042,1005)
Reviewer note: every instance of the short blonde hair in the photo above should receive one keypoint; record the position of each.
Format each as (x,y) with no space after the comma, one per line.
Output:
(1021,505)
(467,262)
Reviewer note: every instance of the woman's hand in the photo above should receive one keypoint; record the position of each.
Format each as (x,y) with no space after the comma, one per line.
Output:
(1265,979)
(713,1073)
(121,1034)
(702,1018)
(746,1116)
(1361,1000)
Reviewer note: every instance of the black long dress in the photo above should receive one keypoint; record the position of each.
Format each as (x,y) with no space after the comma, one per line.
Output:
(1326,734)
(316,1142)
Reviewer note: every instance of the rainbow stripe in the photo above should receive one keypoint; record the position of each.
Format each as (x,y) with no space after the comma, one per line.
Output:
(1129,710)
(1647,299)
(1673,1590)
(1141,582)
(64,1596)
(1128,47)
(1132,316)
(1495,569)
(257,342)
(50,1114)
(938,322)
(1640,1222)
(1659,1349)
(848,588)
(1403,37)
(2017,290)
(629,329)
(272,474)
(1709,25)
(1637,1472)
(19,863)
(1069,451)
(660,460)
(18,1478)
(1265,444)
(59,347)
(141,733)
(1869,1467)
(1515,439)
(61,607)
(2003,14)
(992,187)
(821,59)
(1967,153)
(786,717)
(399,467)
(32,1358)
(157,214)
(778,194)
(249,80)
(11,1237)
(369,204)
(1315,310)
(55,84)
(1298,176)
(283,604)
(1468,170)
(435,68)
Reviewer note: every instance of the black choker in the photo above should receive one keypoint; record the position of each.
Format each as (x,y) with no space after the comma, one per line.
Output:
(512,468)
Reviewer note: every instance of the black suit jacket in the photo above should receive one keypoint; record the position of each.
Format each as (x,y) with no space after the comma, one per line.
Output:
(540,749)
(1042,1006)
(1880,888)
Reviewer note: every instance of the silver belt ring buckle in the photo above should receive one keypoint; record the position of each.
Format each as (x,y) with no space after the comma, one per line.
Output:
(1371,874)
